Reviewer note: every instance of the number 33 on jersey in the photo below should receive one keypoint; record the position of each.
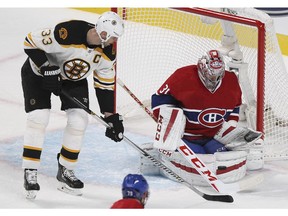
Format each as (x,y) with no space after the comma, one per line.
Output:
(76,59)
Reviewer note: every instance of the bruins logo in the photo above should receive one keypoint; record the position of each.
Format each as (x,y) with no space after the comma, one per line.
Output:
(75,69)
(63,33)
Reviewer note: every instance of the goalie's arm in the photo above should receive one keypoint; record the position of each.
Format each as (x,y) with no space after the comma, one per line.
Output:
(165,95)
(160,101)
(234,115)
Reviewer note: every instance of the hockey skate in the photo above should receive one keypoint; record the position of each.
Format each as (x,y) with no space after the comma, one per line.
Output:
(30,183)
(68,182)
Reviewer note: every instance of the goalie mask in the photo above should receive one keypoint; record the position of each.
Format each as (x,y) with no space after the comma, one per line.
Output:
(111,23)
(211,70)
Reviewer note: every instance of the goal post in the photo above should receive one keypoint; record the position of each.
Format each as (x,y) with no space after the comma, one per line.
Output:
(157,41)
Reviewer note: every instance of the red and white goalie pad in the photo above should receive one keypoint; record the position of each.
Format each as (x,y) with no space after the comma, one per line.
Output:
(233,136)
(170,128)
(228,166)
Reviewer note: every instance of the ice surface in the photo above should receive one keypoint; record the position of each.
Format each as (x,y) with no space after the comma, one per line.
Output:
(102,163)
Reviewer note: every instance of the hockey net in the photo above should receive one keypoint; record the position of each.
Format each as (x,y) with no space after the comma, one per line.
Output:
(157,41)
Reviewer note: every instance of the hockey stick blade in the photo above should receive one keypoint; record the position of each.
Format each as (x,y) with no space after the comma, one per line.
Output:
(220,198)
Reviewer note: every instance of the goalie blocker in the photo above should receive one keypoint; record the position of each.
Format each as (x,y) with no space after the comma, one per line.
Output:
(245,145)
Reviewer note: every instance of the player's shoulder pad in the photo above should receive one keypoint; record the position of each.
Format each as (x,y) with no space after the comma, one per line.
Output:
(72,32)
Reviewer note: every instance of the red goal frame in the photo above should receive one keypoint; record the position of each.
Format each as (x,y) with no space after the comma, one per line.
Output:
(261,52)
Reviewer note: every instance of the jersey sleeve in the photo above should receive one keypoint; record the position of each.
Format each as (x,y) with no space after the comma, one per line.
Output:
(34,47)
(104,76)
(38,43)
(104,80)
(52,40)
(234,115)
(164,95)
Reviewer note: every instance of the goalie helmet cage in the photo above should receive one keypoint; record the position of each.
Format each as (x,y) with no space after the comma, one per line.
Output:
(157,41)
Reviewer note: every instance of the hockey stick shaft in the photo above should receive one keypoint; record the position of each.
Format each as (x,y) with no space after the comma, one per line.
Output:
(191,157)
(119,81)
(221,198)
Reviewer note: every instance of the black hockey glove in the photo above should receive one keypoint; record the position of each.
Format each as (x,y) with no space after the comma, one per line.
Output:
(116,130)
(52,80)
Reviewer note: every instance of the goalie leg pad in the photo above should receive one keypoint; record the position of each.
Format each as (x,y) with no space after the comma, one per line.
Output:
(255,157)
(147,167)
(175,161)
(230,166)
(170,128)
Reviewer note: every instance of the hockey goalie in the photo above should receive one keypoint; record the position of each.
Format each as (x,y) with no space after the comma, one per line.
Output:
(199,105)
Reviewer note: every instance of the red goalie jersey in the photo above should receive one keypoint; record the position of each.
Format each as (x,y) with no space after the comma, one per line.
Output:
(205,111)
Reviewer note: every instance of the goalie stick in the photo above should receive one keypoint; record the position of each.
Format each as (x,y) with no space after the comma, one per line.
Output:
(210,197)
(202,169)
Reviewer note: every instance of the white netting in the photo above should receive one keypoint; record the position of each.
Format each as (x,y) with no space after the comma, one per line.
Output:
(157,41)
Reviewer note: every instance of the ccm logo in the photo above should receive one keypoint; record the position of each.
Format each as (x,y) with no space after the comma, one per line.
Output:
(165,152)
(197,163)
(158,129)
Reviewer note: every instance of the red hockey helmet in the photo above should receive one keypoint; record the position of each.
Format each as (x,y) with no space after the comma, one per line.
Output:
(211,70)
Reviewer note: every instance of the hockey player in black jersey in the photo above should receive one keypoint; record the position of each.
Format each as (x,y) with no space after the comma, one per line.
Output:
(60,59)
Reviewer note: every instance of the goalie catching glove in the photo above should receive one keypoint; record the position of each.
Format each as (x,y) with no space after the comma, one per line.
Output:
(116,129)
(52,80)
(233,136)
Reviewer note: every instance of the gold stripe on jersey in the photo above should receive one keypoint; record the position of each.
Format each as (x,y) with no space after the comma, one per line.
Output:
(102,79)
(98,85)
(74,46)
(27,43)
(103,83)
(98,49)
(30,40)
(104,56)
